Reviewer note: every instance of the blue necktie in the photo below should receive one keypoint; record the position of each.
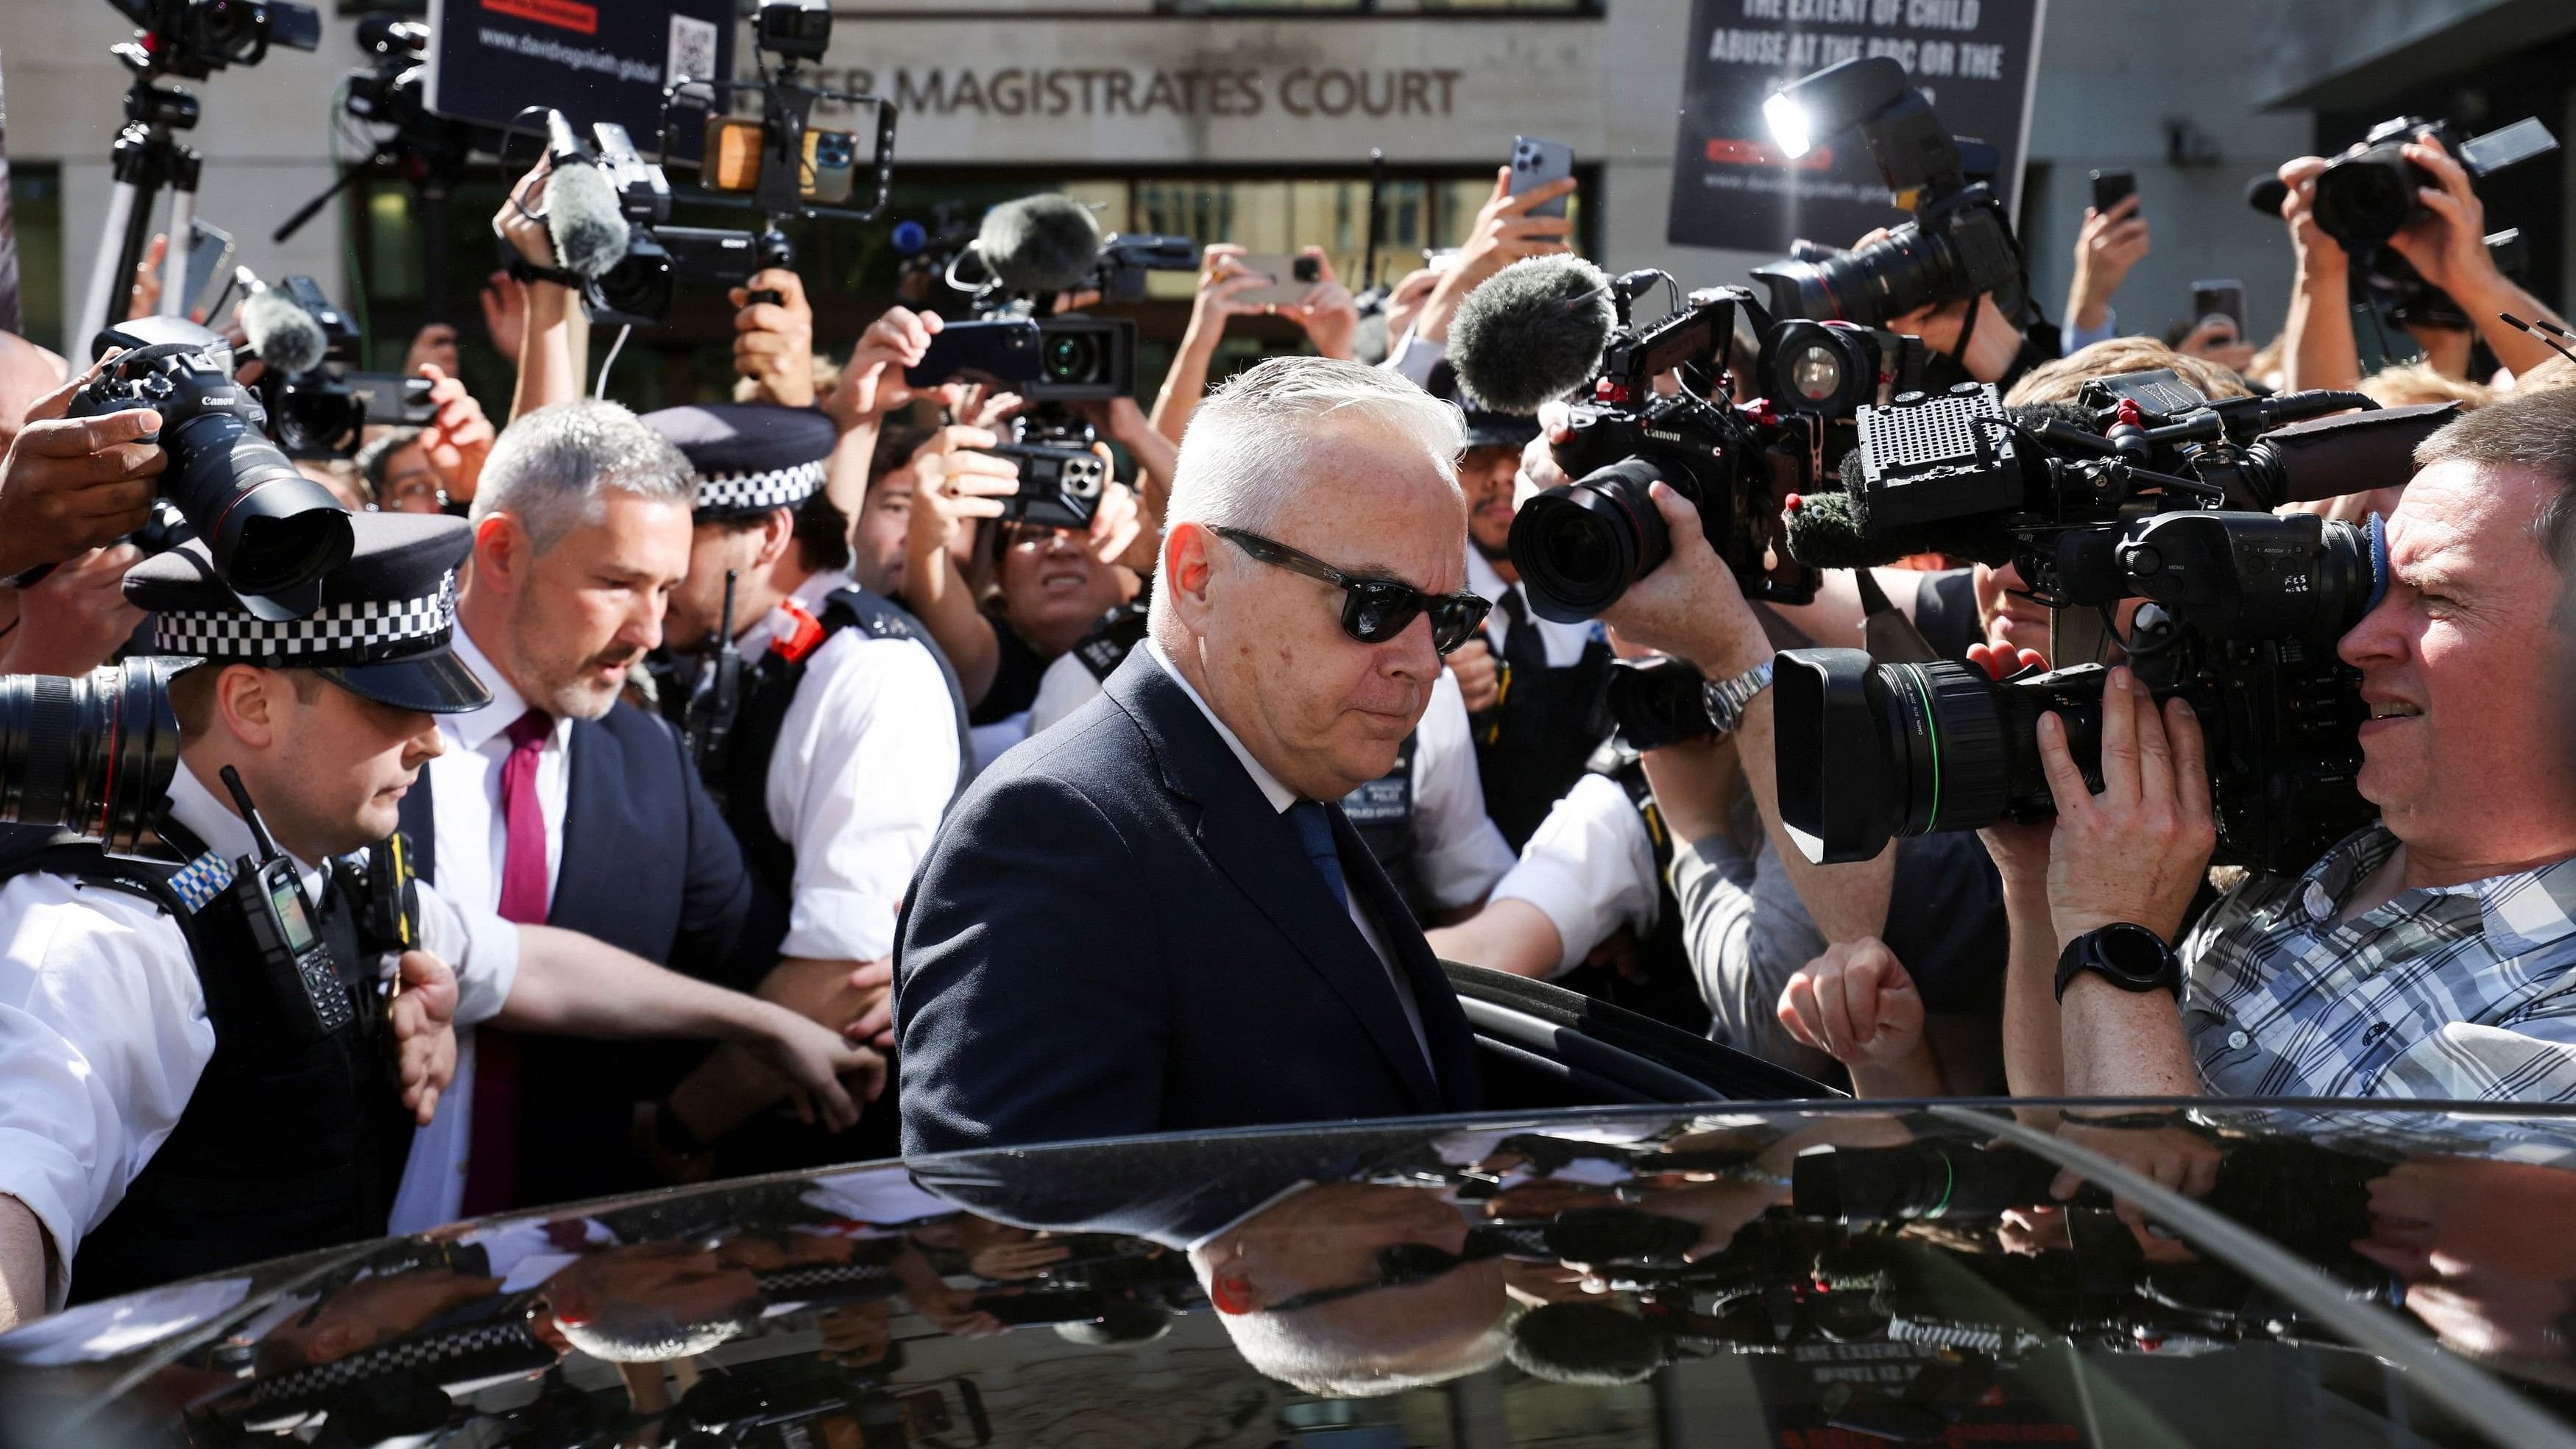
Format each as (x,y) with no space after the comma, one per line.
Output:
(1315,832)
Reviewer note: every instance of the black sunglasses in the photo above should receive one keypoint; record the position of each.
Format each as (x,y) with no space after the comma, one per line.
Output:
(1404,1266)
(1373,610)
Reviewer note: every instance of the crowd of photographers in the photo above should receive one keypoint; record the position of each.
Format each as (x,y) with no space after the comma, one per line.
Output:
(855,585)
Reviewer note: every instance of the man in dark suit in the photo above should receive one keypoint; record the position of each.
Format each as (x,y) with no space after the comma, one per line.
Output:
(1154,918)
(559,804)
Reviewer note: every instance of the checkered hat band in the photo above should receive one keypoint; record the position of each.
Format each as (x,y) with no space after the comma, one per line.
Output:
(340,634)
(754,492)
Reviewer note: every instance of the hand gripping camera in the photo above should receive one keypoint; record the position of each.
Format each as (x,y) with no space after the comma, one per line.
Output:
(1959,244)
(274,532)
(2243,612)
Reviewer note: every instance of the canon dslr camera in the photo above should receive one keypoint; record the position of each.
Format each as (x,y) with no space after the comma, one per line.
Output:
(274,532)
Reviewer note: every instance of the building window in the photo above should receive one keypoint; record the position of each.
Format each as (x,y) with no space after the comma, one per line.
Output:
(36,220)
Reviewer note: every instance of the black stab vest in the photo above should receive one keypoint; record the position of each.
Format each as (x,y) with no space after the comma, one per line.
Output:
(1541,738)
(282,1148)
(1661,983)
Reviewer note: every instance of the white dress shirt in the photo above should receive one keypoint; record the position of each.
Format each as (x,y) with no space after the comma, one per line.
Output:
(1565,642)
(1280,798)
(1458,854)
(103,1027)
(1590,867)
(471,833)
(1413,357)
(866,763)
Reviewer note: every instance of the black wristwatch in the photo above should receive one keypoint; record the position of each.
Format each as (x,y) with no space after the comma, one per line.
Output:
(2130,957)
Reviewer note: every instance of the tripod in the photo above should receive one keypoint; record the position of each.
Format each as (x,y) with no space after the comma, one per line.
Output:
(147,157)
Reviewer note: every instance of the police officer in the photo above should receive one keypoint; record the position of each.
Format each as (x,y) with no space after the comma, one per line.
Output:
(1534,686)
(829,726)
(200,1066)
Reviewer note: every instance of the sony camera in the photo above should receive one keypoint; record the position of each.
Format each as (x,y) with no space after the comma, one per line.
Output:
(273,532)
(2243,612)
(1580,545)
(92,756)
(192,39)
(660,257)
(1068,358)
(2367,195)
(1959,242)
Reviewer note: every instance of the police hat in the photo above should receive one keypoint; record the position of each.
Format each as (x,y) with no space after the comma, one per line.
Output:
(381,632)
(751,457)
(1487,428)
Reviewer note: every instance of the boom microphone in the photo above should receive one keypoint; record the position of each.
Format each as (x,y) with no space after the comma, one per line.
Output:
(1533,332)
(583,217)
(1824,534)
(284,335)
(1043,243)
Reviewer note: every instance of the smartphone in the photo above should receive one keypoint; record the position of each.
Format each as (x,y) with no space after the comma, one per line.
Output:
(210,270)
(2224,297)
(2110,188)
(1535,163)
(1290,277)
(391,397)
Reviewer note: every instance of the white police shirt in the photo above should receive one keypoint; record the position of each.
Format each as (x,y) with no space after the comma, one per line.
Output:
(1458,853)
(1589,867)
(103,1028)
(865,765)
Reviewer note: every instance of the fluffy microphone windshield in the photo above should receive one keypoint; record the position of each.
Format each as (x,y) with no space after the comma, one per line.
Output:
(1043,243)
(583,218)
(1533,332)
(284,335)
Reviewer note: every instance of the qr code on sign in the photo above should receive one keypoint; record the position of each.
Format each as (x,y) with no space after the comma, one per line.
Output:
(693,49)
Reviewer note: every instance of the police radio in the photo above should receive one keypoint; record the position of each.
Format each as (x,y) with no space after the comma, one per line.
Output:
(293,958)
(715,698)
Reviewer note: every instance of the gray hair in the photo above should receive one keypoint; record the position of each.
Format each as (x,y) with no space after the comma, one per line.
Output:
(550,467)
(1243,460)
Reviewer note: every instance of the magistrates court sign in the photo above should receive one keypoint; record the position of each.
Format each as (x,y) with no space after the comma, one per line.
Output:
(1976,59)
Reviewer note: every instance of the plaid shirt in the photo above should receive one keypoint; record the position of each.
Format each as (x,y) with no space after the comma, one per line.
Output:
(2466,993)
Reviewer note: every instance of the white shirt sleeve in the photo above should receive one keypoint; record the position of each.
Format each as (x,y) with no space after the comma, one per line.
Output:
(103,1035)
(1067,685)
(478,945)
(1590,866)
(1458,853)
(865,764)
(1413,357)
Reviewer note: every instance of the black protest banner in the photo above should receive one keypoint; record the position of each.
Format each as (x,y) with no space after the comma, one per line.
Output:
(1733,188)
(603,61)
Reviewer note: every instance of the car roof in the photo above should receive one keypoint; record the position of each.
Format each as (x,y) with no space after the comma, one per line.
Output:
(1896,1272)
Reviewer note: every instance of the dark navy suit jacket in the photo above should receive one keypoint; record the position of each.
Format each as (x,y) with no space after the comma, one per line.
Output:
(648,866)
(1115,934)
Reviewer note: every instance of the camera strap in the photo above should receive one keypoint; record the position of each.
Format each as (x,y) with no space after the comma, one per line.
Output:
(522,270)
(1967,333)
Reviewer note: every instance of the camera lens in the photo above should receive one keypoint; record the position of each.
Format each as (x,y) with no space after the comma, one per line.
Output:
(1579,546)
(1868,752)
(1072,357)
(93,756)
(2363,201)
(1816,373)
(270,528)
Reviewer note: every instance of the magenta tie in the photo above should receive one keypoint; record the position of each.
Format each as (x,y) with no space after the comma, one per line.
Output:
(492,1162)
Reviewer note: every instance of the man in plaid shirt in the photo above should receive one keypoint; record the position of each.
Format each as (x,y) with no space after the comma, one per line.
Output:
(2428,956)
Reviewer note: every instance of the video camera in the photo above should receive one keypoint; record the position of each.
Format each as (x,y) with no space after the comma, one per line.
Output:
(2159,493)
(273,532)
(1579,546)
(2367,195)
(192,39)
(1959,244)
(659,257)
(324,410)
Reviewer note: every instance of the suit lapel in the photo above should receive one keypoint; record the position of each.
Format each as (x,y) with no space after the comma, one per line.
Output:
(1256,850)
(1444,1022)
(591,794)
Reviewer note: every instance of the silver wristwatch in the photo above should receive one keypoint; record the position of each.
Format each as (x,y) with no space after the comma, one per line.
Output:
(1725,699)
